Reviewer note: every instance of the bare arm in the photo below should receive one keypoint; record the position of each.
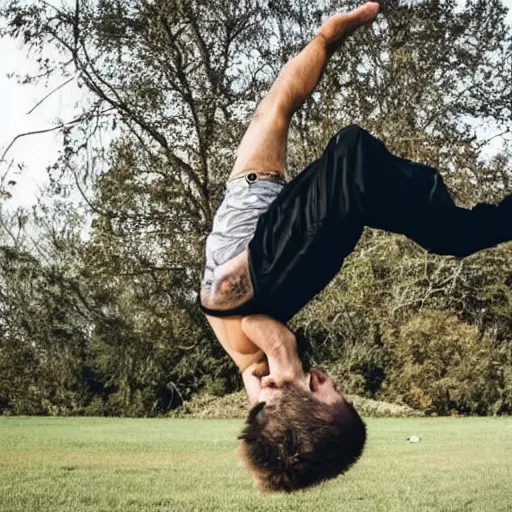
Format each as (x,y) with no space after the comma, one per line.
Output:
(301,75)
(263,147)
(278,343)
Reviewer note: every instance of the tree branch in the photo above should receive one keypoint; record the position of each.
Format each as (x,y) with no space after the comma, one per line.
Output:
(39,132)
(39,103)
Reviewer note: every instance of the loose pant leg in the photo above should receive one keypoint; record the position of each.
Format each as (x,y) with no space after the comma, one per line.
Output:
(301,241)
(404,197)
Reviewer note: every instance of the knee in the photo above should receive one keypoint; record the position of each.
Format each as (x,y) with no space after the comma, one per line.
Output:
(351,129)
(350,136)
(342,162)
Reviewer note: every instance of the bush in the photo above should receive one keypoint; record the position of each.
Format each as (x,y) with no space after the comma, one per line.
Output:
(235,405)
(443,365)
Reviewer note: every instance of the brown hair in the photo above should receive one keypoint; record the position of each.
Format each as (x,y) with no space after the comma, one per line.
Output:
(298,441)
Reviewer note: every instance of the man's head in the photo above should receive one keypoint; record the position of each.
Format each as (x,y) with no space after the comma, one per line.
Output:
(301,436)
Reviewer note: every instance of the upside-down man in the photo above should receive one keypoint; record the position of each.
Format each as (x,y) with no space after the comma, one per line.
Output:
(275,245)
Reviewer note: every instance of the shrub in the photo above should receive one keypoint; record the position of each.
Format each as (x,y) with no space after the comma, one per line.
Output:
(443,365)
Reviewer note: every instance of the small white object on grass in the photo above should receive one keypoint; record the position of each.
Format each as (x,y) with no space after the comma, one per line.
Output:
(414,439)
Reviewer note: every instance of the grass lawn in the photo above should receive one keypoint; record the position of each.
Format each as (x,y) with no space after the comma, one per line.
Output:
(131,465)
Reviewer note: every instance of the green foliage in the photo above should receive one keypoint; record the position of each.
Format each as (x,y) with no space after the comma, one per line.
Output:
(43,340)
(98,311)
(444,365)
(235,405)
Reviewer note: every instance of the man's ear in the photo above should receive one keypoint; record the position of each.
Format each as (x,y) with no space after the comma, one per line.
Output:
(256,419)
(257,414)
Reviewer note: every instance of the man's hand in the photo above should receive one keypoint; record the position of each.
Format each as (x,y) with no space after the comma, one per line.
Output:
(279,345)
(281,376)
(338,27)
(252,377)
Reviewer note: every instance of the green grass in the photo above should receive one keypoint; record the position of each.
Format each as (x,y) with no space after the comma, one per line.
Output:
(94,464)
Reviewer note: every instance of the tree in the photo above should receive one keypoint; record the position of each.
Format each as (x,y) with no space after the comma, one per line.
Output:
(170,88)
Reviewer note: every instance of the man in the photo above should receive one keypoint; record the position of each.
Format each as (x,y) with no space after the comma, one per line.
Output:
(274,246)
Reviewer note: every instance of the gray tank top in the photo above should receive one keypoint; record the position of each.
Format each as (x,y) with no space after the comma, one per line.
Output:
(235,221)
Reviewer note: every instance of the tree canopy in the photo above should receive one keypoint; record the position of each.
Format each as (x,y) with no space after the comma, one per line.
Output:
(98,295)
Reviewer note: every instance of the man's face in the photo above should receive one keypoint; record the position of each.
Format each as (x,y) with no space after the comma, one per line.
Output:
(319,384)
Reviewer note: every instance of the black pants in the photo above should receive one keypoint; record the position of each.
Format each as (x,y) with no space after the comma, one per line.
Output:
(301,241)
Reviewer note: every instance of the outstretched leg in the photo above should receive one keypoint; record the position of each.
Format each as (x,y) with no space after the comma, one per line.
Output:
(263,147)
(408,198)
(302,239)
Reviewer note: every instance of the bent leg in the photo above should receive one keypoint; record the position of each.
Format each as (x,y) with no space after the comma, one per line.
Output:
(302,239)
(263,147)
(404,197)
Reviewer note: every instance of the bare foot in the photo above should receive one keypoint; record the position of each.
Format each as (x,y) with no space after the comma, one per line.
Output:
(338,27)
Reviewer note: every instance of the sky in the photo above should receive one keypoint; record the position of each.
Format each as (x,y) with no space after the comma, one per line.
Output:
(16,100)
